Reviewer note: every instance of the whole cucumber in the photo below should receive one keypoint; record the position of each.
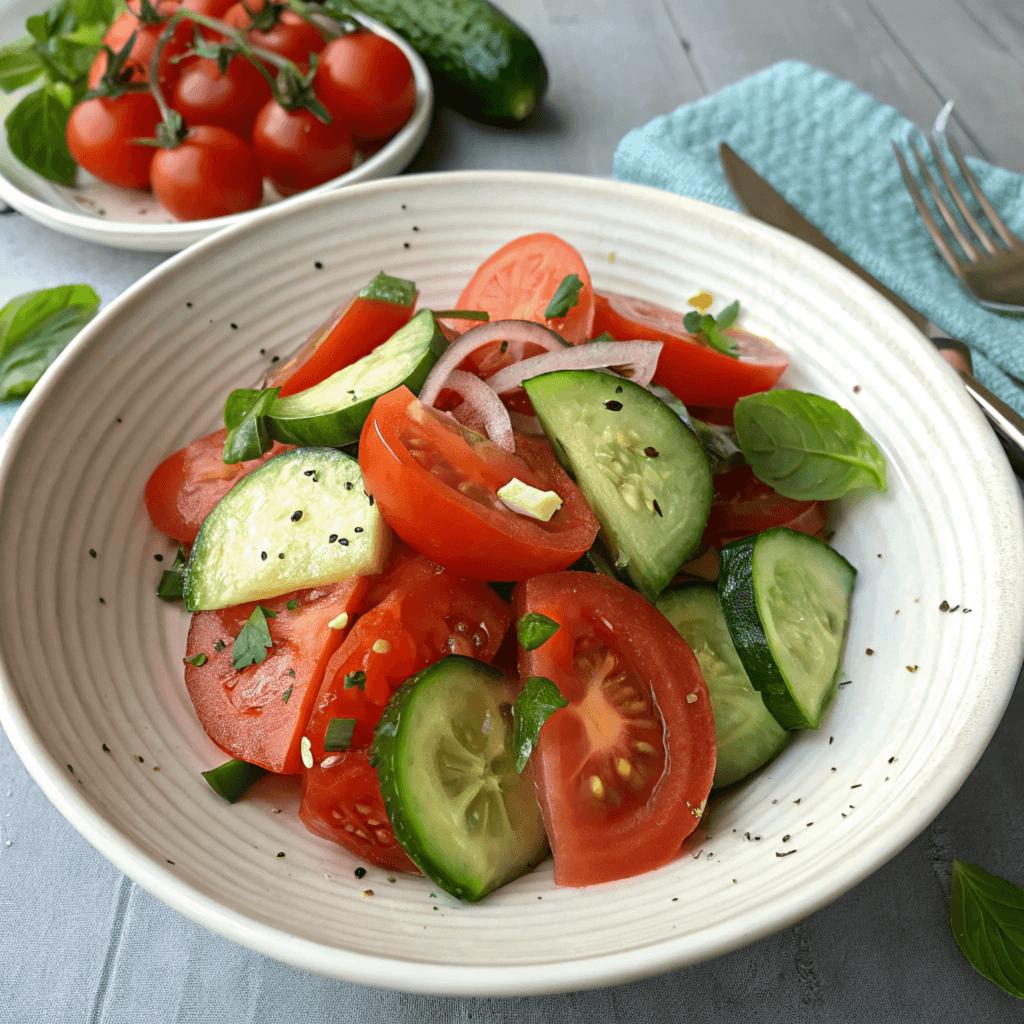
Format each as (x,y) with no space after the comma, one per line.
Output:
(484,64)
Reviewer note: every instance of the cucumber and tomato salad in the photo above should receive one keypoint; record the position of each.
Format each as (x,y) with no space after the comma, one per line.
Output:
(347,609)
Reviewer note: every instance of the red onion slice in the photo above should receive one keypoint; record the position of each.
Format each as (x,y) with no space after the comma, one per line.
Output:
(481,409)
(515,332)
(523,424)
(636,360)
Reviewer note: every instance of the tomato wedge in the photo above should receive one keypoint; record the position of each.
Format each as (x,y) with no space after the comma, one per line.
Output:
(183,489)
(429,613)
(258,713)
(436,484)
(341,801)
(624,771)
(695,373)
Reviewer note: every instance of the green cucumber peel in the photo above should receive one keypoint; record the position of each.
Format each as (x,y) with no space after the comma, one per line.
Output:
(807,447)
(463,314)
(384,288)
(253,640)
(538,700)
(231,779)
(534,629)
(567,295)
(245,417)
(710,328)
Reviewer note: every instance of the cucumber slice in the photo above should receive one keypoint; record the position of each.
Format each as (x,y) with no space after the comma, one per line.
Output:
(332,412)
(301,520)
(641,470)
(786,598)
(745,730)
(444,756)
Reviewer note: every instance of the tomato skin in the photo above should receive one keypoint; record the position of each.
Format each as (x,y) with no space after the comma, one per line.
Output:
(203,96)
(183,489)
(292,36)
(443,523)
(366,82)
(696,374)
(341,802)
(212,173)
(100,134)
(211,8)
(743,505)
(245,712)
(141,56)
(519,280)
(297,150)
(593,837)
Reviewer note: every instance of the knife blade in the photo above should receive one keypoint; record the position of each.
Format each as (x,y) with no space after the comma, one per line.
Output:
(760,200)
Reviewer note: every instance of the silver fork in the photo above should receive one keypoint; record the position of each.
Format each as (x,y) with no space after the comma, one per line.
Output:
(993,273)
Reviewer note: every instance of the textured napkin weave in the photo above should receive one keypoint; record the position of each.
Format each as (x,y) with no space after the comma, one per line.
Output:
(826,146)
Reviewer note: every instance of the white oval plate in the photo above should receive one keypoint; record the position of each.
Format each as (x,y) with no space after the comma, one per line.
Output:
(129,219)
(151,372)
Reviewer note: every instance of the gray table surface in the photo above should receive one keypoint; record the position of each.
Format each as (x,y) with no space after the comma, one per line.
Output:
(79,942)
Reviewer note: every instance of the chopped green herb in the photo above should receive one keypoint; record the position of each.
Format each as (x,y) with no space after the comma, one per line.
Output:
(171,586)
(251,644)
(292,605)
(355,679)
(538,700)
(92,552)
(534,629)
(231,779)
(567,295)
(711,328)
(339,734)
(463,314)
(287,693)
(291,673)
(604,336)
(245,416)
(219,645)
(197,659)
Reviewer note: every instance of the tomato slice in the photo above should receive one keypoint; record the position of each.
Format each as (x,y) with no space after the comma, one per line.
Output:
(352,331)
(436,484)
(519,280)
(341,801)
(183,489)
(428,614)
(743,505)
(695,373)
(258,713)
(624,771)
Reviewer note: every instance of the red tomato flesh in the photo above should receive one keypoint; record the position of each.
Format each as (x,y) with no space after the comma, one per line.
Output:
(436,485)
(341,802)
(624,771)
(695,373)
(258,713)
(183,489)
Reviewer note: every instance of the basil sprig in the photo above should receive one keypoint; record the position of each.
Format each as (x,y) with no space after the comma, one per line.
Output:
(567,295)
(534,629)
(986,914)
(806,447)
(538,700)
(710,328)
(35,328)
(252,642)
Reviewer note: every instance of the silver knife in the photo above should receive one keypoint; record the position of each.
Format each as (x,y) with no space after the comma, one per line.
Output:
(760,200)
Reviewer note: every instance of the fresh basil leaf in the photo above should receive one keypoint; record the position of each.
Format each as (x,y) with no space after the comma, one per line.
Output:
(245,418)
(24,313)
(604,336)
(806,447)
(171,586)
(710,328)
(534,629)
(93,12)
(355,680)
(567,295)
(252,642)
(385,288)
(23,365)
(231,779)
(728,315)
(19,65)
(339,734)
(36,134)
(986,914)
(538,700)
(198,660)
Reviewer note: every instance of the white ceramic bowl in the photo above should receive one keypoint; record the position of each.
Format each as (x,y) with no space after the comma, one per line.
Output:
(150,373)
(130,219)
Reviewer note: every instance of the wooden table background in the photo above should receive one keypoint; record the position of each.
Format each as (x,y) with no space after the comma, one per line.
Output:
(882,952)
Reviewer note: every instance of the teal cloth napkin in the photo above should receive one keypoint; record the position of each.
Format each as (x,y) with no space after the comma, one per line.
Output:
(826,146)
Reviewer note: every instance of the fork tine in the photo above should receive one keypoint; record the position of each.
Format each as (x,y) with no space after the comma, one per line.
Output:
(926,215)
(1004,232)
(978,230)
(947,215)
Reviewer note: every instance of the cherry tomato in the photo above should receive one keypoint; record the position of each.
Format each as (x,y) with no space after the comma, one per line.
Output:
(292,36)
(436,483)
(232,100)
(211,8)
(183,489)
(695,373)
(297,150)
(743,505)
(341,801)
(259,713)
(101,135)
(212,173)
(366,82)
(143,48)
(428,614)
(624,771)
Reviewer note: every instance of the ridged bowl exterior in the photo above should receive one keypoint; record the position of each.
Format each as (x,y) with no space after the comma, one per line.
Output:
(90,657)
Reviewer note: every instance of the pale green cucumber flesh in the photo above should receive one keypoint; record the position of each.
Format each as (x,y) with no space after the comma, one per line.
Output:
(786,598)
(332,412)
(444,757)
(746,732)
(272,532)
(642,471)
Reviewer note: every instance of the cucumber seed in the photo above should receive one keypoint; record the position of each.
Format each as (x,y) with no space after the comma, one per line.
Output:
(296,515)
(612,405)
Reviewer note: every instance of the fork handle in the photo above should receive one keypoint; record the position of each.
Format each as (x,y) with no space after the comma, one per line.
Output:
(1007,424)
